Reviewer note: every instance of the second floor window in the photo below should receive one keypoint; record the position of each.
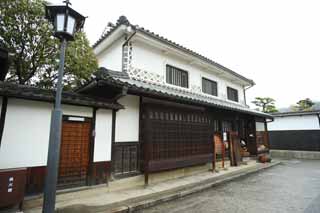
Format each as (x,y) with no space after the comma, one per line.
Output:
(177,76)
(209,87)
(232,94)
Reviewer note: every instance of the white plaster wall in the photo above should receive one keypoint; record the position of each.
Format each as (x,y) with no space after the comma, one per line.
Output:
(102,145)
(111,57)
(154,60)
(77,110)
(26,134)
(127,120)
(260,126)
(305,122)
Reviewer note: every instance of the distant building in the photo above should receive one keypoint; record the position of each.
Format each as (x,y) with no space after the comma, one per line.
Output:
(298,131)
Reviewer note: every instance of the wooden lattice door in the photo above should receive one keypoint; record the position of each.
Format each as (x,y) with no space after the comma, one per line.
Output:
(74,153)
(251,137)
(175,136)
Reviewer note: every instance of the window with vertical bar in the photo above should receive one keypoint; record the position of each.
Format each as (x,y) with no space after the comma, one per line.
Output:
(177,76)
(209,87)
(232,94)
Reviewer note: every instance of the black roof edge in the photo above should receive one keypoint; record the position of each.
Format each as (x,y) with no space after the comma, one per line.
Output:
(121,21)
(101,73)
(138,90)
(47,95)
(296,113)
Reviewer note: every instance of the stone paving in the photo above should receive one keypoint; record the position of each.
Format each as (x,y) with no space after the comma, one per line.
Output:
(293,186)
(101,199)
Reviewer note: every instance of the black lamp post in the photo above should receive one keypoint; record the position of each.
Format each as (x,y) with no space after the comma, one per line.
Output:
(66,22)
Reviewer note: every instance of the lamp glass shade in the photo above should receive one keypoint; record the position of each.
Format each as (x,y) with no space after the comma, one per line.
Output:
(71,25)
(66,21)
(60,22)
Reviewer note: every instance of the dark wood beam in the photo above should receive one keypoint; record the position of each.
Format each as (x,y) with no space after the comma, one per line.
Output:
(172,104)
(91,148)
(113,138)
(3,115)
(123,93)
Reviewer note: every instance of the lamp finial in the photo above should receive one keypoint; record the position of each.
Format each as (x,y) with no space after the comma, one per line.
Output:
(67,2)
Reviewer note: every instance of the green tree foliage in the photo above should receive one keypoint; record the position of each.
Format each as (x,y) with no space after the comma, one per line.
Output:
(265,104)
(28,36)
(303,105)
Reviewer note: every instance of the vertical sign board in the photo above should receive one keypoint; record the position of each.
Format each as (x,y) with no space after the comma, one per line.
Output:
(12,186)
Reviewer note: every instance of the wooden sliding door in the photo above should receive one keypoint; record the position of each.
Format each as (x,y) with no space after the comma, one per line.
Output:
(74,153)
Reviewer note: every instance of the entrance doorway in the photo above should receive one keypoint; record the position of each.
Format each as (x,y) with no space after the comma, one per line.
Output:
(74,152)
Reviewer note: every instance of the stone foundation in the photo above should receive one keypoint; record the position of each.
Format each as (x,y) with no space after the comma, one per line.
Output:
(289,154)
(135,181)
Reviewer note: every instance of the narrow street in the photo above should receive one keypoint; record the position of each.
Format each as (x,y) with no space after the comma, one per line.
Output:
(293,186)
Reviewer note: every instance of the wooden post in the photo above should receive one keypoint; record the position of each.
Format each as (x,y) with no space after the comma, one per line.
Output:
(146,163)
(147,146)
(223,150)
(214,156)
(266,133)
(231,156)
(255,135)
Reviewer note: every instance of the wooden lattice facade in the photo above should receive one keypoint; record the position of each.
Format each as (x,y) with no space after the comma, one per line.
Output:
(126,160)
(173,132)
(174,137)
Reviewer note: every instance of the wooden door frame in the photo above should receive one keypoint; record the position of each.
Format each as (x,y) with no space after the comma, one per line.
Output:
(91,120)
(113,139)
(90,175)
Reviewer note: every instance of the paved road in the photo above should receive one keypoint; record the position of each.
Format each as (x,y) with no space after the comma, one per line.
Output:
(291,187)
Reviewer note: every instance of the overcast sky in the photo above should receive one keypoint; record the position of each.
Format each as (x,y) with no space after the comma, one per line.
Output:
(274,42)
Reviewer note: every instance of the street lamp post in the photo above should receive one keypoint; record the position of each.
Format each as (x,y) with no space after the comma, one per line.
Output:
(66,22)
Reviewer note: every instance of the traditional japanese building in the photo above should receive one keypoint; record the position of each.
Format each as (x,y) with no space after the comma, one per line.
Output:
(153,106)
(295,134)
(174,98)
(85,151)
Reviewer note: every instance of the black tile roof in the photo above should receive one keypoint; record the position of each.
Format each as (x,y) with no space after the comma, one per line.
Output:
(105,77)
(124,21)
(104,73)
(34,93)
(297,113)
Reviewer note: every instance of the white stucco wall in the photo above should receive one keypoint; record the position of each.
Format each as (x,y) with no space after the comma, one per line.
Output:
(26,134)
(111,57)
(154,60)
(127,120)
(103,128)
(77,110)
(260,126)
(305,122)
